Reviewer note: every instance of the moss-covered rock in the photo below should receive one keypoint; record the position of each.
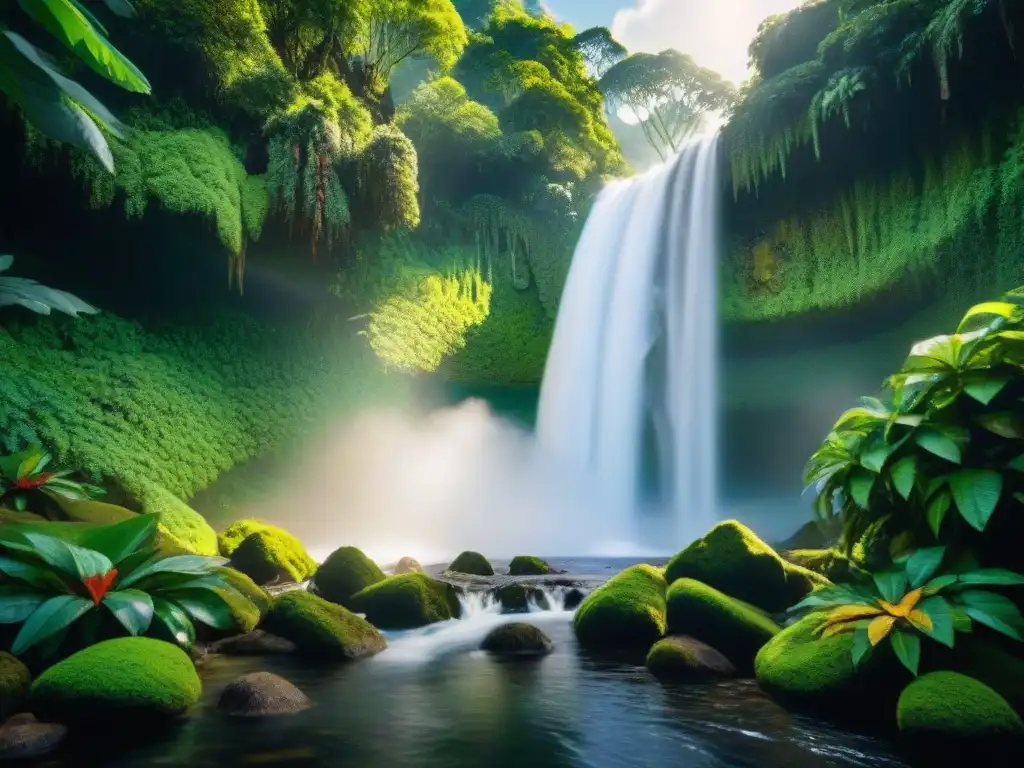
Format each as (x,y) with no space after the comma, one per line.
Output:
(830,563)
(525,565)
(984,660)
(687,660)
(343,574)
(408,565)
(514,598)
(627,612)
(407,601)
(517,639)
(15,680)
(732,559)
(321,629)
(471,563)
(944,714)
(126,678)
(811,535)
(273,555)
(737,629)
(247,602)
(808,673)
(180,525)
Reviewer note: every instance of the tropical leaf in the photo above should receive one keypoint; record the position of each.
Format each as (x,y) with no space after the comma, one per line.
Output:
(936,511)
(133,608)
(18,602)
(861,483)
(939,625)
(988,316)
(196,565)
(903,474)
(880,628)
(861,645)
(984,387)
(907,646)
(54,615)
(69,558)
(994,611)
(119,540)
(203,605)
(1004,423)
(976,493)
(939,444)
(31,573)
(176,621)
(923,564)
(892,584)
(995,577)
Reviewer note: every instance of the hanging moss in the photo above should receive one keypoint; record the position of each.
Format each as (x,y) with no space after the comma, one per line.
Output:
(388,178)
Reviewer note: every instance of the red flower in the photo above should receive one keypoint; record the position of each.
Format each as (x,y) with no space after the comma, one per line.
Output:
(29,482)
(97,586)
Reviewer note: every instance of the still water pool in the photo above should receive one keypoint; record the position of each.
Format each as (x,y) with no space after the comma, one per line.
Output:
(432,701)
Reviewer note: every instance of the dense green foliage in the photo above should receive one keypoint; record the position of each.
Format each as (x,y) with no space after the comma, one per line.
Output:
(940,458)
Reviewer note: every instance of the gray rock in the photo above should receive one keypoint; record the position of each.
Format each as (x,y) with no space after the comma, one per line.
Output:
(517,639)
(23,737)
(255,643)
(261,694)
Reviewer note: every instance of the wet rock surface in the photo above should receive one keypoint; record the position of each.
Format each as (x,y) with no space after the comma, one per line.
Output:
(262,694)
(22,737)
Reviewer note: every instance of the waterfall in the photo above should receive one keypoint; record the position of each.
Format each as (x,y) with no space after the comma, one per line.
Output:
(635,348)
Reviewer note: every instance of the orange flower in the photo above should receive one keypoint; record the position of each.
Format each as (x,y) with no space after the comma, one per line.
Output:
(97,586)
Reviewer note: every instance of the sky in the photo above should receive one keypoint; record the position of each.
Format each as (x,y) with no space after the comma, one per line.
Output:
(715,33)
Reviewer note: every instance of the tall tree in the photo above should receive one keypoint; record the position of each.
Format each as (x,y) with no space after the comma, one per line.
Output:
(311,36)
(600,49)
(667,94)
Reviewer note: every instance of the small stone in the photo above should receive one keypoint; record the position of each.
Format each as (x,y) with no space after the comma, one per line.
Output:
(261,694)
(517,639)
(408,565)
(255,643)
(684,658)
(22,737)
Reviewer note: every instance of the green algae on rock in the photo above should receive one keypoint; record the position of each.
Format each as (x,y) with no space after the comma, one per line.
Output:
(126,678)
(471,563)
(627,612)
(406,602)
(517,640)
(270,553)
(321,629)
(526,565)
(688,660)
(344,573)
(732,559)
(733,627)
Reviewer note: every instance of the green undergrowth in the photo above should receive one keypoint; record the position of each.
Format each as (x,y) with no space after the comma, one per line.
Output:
(162,412)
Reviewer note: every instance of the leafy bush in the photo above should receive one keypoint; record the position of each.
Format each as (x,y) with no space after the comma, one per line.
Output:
(50,586)
(946,438)
(915,598)
(23,473)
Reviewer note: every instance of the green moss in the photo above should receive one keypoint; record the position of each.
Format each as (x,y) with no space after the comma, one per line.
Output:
(126,678)
(731,558)
(321,629)
(627,612)
(270,555)
(811,674)
(683,658)
(180,525)
(406,602)
(980,658)
(344,573)
(472,563)
(830,563)
(249,606)
(15,680)
(943,712)
(525,565)
(514,598)
(517,639)
(735,628)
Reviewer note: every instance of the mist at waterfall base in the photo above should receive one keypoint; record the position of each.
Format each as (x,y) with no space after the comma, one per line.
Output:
(624,458)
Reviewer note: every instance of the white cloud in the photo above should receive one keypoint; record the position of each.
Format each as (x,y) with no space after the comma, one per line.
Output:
(715,32)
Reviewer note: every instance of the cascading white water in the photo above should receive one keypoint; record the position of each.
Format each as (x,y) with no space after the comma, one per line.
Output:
(635,344)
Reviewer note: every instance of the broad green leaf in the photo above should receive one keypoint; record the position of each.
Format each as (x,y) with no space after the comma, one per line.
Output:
(994,611)
(18,602)
(860,485)
(940,583)
(133,608)
(72,29)
(182,564)
(976,493)
(995,577)
(56,614)
(1016,464)
(828,596)
(31,573)
(987,315)
(923,564)
(936,511)
(874,458)
(961,621)
(984,387)
(907,646)
(177,622)
(939,444)
(941,616)
(203,605)
(903,473)
(891,584)
(1003,423)
(70,558)
(861,644)
(933,355)
(122,539)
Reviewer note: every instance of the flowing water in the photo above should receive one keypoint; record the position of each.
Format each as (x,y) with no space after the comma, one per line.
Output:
(432,700)
(634,359)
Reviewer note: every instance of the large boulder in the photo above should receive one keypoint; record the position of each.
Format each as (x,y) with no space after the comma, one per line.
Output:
(123,679)
(984,660)
(291,554)
(262,694)
(517,640)
(945,715)
(344,573)
(15,680)
(471,563)
(180,526)
(732,559)
(273,556)
(526,565)
(321,629)
(808,673)
(406,602)
(23,737)
(687,660)
(737,629)
(625,613)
